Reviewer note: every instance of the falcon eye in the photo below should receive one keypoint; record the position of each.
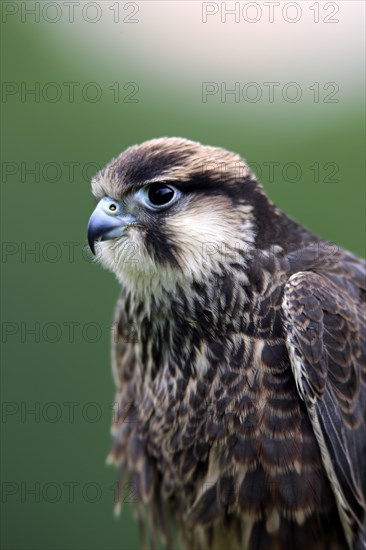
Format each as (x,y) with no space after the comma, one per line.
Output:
(160,194)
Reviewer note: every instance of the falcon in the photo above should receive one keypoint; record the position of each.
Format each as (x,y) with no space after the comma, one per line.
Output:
(239,355)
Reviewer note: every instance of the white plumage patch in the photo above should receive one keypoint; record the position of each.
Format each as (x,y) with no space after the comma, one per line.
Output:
(207,233)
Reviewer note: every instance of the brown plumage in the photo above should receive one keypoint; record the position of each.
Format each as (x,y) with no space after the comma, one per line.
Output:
(239,357)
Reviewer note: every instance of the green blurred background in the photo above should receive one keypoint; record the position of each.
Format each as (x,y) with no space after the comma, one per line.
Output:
(61,370)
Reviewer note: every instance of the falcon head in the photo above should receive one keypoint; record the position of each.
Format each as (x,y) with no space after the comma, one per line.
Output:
(173,210)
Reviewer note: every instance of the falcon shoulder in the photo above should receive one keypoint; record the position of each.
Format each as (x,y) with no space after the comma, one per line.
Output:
(325,327)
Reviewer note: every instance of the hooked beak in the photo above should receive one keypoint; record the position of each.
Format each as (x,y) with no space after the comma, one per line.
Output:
(108,221)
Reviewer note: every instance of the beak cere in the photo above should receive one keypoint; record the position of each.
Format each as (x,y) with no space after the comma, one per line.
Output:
(107,224)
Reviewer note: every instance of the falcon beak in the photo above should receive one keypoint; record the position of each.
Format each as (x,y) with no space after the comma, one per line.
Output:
(108,221)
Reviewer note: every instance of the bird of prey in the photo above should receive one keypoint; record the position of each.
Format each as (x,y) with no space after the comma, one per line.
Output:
(239,354)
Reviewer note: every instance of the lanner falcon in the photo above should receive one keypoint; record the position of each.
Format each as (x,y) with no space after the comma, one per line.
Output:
(239,354)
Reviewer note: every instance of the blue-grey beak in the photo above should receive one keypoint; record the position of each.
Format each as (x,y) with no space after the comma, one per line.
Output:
(108,221)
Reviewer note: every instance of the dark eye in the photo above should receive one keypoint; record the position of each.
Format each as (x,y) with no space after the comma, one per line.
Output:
(160,194)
